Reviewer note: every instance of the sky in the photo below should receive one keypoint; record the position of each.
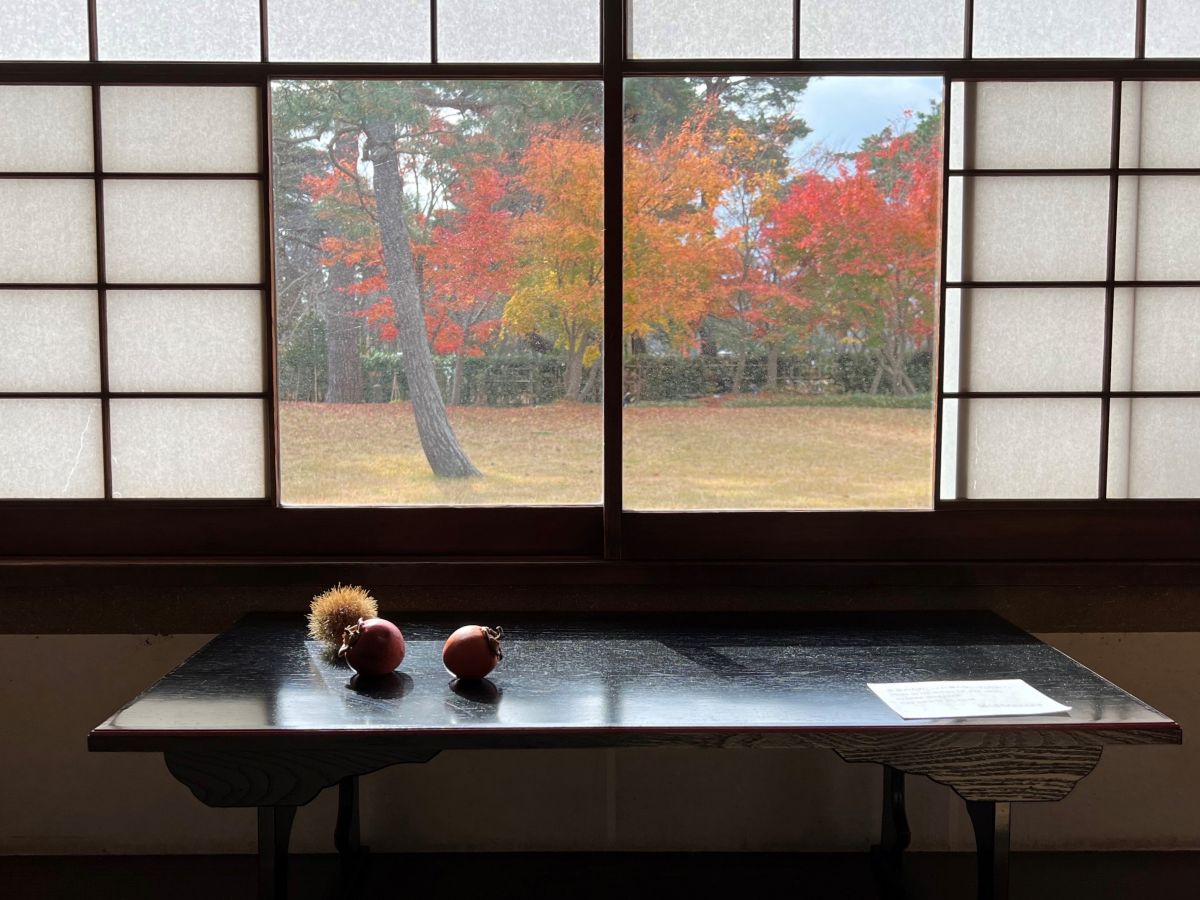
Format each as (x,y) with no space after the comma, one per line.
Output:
(842,110)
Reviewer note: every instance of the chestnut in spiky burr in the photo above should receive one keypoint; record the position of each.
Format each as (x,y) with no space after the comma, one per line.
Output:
(336,610)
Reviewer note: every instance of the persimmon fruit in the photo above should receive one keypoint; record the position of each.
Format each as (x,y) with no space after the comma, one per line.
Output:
(472,652)
(372,647)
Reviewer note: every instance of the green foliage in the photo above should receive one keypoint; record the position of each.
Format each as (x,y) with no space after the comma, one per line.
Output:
(302,359)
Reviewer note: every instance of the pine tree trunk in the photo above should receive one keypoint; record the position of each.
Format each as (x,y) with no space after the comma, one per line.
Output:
(446,458)
(343,362)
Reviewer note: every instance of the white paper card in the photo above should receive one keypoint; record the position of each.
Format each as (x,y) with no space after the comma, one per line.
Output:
(964,699)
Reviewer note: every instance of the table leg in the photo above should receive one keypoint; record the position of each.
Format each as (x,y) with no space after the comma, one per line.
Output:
(274,832)
(894,835)
(346,833)
(351,852)
(991,822)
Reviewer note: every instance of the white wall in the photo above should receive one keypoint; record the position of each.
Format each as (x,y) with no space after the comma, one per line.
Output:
(55,797)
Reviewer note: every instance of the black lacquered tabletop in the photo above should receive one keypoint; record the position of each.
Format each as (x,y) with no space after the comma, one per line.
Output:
(264,678)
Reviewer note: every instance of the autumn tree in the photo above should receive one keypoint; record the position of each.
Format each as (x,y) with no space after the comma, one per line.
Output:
(751,308)
(470,267)
(860,242)
(673,256)
(560,242)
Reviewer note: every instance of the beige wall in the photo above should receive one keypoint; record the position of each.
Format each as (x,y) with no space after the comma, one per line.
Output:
(55,797)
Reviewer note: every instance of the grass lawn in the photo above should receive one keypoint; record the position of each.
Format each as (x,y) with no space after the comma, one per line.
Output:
(676,457)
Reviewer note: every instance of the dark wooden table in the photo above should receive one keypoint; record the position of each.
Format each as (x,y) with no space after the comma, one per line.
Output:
(262,717)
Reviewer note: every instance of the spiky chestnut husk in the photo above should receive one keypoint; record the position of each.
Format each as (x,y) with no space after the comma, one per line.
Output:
(336,610)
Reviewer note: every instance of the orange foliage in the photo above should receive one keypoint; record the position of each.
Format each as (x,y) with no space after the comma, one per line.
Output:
(673,256)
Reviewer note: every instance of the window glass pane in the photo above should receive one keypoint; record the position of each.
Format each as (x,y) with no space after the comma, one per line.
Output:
(48,231)
(1160,124)
(50,341)
(1154,447)
(1030,448)
(518,31)
(1034,340)
(185,341)
(180,129)
(1155,345)
(45,128)
(1158,232)
(710,29)
(50,449)
(860,29)
(1062,28)
(43,29)
(1036,228)
(187,448)
(182,232)
(779,292)
(354,31)
(1172,28)
(207,30)
(439,277)
(1033,125)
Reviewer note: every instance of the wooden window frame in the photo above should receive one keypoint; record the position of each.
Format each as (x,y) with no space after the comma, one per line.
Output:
(1026,536)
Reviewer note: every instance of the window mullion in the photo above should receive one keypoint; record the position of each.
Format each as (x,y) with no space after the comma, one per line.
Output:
(612,30)
(1110,274)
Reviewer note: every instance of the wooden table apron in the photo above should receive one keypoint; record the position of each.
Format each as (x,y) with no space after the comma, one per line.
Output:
(260,717)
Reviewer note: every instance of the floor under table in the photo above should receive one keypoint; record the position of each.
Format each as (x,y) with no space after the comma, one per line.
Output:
(615,876)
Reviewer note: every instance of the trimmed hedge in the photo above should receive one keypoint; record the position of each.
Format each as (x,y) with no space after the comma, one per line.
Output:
(536,379)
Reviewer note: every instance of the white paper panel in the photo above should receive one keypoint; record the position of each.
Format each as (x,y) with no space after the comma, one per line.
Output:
(1054,28)
(45,128)
(51,449)
(187,448)
(1156,339)
(180,129)
(1035,340)
(518,31)
(185,341)
(710,29)
(49,341)
(1039,228)
(201,232)
(954,230)
(47,230)
(43,29)
(1158,229)
(1032,448)
(1154,448)
(383,30)
(952,341)
(957,123)
(204,30)
(1035,125)
(1160,124)
(861,29)
(948,489)
(1172,28)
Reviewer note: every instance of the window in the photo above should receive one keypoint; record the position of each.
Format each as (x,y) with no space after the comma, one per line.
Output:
(172,316)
